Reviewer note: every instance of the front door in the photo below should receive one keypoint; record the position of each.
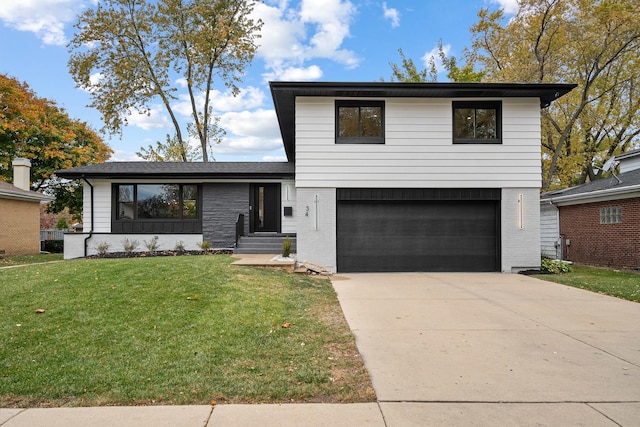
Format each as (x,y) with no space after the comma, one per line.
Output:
(264,206)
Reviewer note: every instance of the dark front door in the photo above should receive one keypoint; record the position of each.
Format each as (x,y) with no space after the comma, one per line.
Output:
(265,208)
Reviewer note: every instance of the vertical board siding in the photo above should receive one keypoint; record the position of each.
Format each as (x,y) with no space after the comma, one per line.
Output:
(418,149)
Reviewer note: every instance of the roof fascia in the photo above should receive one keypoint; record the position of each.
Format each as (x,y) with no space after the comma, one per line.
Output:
(628,192)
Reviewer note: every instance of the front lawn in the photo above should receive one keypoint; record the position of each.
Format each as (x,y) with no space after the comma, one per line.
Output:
(172,330)
(621,284)
(29,259)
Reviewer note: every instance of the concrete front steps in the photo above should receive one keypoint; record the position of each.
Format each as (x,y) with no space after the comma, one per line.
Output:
(264,243)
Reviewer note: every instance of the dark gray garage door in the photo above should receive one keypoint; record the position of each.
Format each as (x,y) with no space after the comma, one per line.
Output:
(418,230)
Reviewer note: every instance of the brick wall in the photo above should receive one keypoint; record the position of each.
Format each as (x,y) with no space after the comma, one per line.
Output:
(19,227)
(607,245)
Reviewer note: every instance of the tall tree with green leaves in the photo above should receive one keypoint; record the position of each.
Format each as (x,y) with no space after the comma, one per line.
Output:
(594,43)
(408,72)
(128,53)
(37,129)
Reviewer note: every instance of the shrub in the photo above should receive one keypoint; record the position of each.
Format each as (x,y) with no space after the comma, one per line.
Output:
(286,247)
(554,266)
(54,246)
(205,245)
(179,247)
(152,245)
(62,224)
(102,248)
(130,245)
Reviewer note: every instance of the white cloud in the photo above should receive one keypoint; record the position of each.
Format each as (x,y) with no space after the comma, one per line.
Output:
(509,6)
(251,145)
(124,156)
(310,73)
(435,55)
(249,97)
(391,14)
(154,119)
(313,30)
(45,18)
(249,133)
(274,158)
(259,123)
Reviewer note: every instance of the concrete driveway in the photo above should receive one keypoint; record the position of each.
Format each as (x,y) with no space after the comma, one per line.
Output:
(494,349)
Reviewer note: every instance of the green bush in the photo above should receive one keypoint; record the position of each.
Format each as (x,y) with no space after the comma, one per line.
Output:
(62,224)
(54,246)
(286,247)
(205,245)
(554,266)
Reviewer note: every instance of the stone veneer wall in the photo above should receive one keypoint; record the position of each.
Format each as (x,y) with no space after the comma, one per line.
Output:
(221,204)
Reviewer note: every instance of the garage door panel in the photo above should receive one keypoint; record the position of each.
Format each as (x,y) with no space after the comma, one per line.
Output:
(418,236)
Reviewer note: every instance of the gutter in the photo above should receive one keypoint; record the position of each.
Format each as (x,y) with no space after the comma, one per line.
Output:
(593,194)
(86,239)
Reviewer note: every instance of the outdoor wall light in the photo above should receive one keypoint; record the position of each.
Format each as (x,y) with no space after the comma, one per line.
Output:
(520,211)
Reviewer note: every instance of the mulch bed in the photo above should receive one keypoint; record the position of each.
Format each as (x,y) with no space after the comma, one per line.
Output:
(160,253)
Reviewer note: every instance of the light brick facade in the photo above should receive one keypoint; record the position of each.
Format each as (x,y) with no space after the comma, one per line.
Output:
(19,227)
(606,245)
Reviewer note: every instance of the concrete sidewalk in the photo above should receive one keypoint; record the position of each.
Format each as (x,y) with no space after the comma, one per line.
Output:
(447,350)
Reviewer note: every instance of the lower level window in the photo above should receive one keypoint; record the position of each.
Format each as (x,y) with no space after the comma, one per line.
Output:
(611,215)
(156,201)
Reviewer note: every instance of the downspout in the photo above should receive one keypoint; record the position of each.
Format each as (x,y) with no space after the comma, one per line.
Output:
(86,239)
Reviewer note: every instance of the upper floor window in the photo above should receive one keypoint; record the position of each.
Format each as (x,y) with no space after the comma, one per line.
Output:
(156,201)
(611,215)
(359,122)
(477,122)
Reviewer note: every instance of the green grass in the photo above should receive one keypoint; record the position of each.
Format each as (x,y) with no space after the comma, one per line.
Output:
(29,259)
(621,284)
(172,330)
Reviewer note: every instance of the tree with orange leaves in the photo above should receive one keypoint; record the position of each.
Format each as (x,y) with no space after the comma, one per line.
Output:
(37,129)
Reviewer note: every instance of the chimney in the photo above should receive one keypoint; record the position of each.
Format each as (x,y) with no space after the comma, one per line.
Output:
(22,173)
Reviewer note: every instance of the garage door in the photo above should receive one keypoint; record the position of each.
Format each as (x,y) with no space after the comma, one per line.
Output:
(418,230)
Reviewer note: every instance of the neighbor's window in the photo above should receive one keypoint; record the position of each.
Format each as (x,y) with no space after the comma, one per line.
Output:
(611,215)
(359,122)
(477,122)
(157,201)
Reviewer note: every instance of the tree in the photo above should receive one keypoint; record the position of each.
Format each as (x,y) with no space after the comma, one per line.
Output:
(135,45)
(170,151)
(37,129)
(408,72)
(594,43)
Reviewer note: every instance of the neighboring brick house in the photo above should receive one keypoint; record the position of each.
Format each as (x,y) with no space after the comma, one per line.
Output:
(597,223)
(20,213)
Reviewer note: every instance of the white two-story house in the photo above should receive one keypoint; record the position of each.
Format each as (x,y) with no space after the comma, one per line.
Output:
(380,177)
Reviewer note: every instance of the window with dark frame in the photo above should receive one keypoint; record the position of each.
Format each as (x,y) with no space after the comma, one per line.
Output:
(477,122)
(157,201)
(359,122)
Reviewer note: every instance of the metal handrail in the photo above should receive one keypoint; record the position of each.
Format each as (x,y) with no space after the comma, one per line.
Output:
(239,227)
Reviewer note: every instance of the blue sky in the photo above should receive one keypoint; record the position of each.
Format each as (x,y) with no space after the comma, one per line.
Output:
(302,40)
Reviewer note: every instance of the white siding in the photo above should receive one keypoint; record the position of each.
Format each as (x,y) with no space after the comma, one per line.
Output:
(549,229)
(520,229)
(101,206)
(418,149)
(630,164)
